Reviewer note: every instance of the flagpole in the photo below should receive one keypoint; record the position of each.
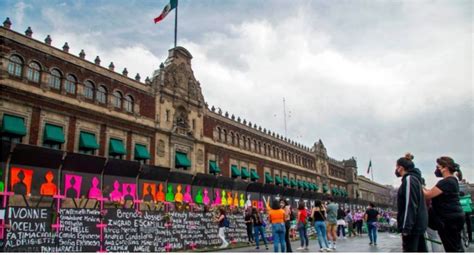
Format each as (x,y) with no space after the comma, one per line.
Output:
(176,24)
(372,172)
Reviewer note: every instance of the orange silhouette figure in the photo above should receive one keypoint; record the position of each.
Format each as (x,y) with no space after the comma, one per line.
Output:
(20,180)
(48,188)
(179,196)
(148,191)
(160,195)
(236,200)
(229,198)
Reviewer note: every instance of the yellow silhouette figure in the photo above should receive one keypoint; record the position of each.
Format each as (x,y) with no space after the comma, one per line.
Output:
(242,201)
(224,200)
(160,195)
(236,200)
(229,198)
(48,188)
(179,196)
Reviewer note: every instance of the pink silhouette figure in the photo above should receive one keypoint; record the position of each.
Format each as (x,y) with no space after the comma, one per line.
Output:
(206,199)
(116,195)
(217,200)
(94,192)
(187,196)
(72,184)
(128,190)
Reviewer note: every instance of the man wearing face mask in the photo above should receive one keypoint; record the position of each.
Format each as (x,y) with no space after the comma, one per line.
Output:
(412,215)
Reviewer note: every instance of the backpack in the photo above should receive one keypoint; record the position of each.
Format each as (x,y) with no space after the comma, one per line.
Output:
(226,222)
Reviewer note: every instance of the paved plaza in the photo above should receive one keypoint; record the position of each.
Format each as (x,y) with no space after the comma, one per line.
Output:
(387,242)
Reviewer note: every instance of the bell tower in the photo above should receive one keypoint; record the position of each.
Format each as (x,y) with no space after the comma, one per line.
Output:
(180,106)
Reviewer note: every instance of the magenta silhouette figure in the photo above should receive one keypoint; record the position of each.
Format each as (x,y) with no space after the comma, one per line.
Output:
(206,199)
(94,191)
(129,191)
(72,185)
(217,200)
(187,196)
(116,195)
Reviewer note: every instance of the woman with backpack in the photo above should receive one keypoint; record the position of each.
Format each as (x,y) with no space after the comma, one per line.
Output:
(319,217)
(301,226)
(223,222)
(258,228)
(276,215)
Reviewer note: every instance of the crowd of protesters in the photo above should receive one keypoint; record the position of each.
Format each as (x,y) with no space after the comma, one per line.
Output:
(436,213)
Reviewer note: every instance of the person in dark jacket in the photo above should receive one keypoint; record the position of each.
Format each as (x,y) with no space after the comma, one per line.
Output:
(412,215)
(446,207)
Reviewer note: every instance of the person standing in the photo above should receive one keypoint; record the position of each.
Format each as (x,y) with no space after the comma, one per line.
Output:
(371,216)
(319,217)
(412,213)
(221,221)
(466,204)
(350,223)
(289,216)
(446,214)
(249,225)
(259,230)
(332,223)
(341,223)
(301,226)
(358,221)
(276,215)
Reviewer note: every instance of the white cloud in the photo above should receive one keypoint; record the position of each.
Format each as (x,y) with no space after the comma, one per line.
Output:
(19,9)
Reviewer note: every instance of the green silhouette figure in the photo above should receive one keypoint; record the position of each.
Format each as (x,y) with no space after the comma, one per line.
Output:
(242,201)
(198,198)
(224,200)
(169,194)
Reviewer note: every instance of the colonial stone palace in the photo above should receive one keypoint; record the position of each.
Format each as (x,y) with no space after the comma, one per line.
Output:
(53,98)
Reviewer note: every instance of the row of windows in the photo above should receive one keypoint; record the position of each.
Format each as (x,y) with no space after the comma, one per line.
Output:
(222,135)
(338,173)
(91,91)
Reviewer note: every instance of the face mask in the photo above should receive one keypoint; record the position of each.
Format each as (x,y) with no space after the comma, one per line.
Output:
(438,173)
(397,174)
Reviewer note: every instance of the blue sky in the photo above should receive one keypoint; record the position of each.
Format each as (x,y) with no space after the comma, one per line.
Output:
(372,79)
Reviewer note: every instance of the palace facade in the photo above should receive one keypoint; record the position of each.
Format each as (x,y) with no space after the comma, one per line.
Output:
(53,98)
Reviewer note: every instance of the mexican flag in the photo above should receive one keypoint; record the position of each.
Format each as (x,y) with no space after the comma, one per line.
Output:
(370,166)
(172,4)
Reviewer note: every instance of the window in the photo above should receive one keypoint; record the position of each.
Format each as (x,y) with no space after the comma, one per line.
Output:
(219,133)
(15,66)
(101,94)
(12,139)
(194,124)
(117,99)
(89,90)
(53,136)
(33,73)
(55,79)
(70,84)
(128,103)
(167,115)
(224,133)
(232,138)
